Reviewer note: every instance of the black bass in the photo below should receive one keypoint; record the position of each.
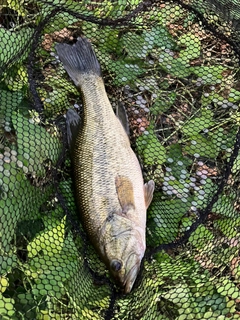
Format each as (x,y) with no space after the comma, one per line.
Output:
(110,191)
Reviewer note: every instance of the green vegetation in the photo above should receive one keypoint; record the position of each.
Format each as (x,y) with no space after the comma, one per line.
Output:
(182,103)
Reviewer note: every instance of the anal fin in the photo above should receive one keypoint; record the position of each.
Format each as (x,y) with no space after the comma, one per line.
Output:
(122,116)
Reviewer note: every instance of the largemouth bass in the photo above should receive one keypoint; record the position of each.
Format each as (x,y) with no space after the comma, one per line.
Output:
(110,191)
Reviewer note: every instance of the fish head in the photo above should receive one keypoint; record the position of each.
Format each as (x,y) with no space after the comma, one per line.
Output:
(126,271)
(123,256)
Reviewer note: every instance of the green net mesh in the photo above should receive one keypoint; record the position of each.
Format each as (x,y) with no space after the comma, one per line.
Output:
(174,65)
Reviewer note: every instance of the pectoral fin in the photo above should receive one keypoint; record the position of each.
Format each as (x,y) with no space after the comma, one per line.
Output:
(125,193)
(122,116)
(148,192)
(73,123)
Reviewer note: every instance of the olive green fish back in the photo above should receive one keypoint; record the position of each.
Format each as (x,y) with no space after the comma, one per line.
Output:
(174,65)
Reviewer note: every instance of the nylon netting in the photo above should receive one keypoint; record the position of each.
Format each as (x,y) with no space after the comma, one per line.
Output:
(175,67)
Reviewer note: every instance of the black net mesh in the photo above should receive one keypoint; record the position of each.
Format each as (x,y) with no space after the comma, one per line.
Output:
(174,65)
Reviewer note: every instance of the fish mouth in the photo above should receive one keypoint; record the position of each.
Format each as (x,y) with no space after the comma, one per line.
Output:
(130,278)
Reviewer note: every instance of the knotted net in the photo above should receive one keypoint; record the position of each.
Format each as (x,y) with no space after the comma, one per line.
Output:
(175,67)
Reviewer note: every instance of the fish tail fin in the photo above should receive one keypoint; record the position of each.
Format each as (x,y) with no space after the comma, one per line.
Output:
(78,59)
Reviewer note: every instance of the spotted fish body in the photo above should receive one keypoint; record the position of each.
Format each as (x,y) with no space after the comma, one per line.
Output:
(110,191)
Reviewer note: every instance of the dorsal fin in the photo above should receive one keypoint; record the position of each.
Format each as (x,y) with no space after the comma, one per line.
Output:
(73,123)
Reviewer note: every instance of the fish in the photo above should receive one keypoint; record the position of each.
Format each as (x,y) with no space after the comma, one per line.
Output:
(110,192)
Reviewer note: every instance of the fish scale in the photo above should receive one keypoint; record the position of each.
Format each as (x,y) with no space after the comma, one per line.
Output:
(110,191)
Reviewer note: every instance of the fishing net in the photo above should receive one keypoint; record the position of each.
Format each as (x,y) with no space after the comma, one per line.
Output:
(174,65)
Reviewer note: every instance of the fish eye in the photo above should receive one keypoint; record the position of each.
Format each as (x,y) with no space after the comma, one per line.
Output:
(116,265)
